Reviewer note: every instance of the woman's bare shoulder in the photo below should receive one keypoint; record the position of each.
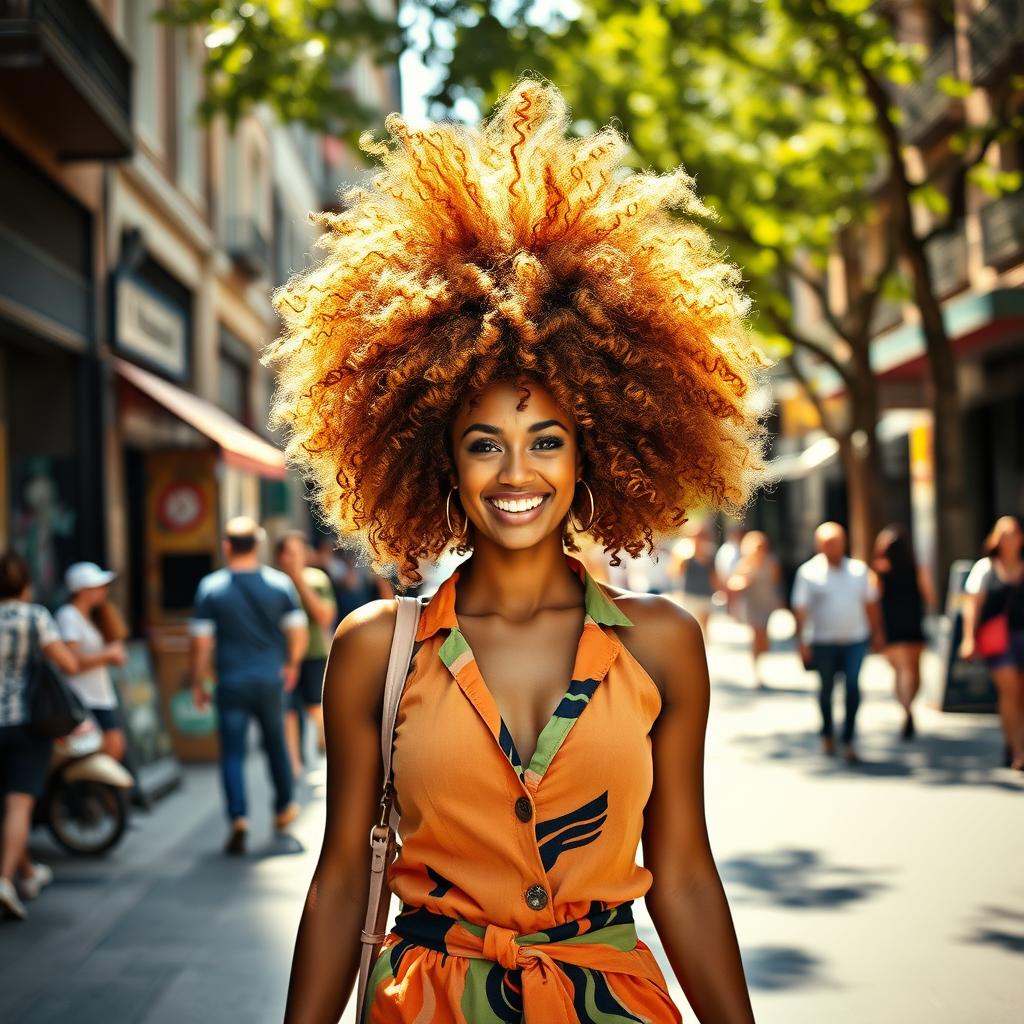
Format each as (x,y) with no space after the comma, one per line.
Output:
(662,632)
(361,648)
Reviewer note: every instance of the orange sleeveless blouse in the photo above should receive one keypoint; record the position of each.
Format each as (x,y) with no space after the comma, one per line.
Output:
(516,881)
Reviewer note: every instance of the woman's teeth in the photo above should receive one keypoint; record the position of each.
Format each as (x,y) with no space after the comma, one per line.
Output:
(520,505)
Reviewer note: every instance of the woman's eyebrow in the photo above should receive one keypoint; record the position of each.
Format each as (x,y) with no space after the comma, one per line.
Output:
(484,428)
(544,424)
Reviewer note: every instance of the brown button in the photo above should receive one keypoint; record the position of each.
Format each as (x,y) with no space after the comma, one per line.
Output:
(536,897)
(524,809)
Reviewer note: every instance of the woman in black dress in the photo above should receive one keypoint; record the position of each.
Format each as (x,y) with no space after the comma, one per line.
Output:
(906,592)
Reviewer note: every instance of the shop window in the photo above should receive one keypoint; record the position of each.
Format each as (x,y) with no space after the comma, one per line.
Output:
(234,377)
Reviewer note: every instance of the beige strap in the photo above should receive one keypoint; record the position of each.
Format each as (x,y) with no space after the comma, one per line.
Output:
(382,835)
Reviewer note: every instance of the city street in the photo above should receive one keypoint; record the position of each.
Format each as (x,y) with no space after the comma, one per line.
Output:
(887,892)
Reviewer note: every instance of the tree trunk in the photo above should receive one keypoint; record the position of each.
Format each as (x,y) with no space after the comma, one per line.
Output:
(867,488)
(952,511)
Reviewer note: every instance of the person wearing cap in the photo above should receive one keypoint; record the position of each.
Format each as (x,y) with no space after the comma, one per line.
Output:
(254,614)
(87,585)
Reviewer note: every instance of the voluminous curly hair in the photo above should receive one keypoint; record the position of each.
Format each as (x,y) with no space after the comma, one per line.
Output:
(509,252)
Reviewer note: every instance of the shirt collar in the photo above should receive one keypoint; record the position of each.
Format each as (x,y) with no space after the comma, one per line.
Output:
(439,612)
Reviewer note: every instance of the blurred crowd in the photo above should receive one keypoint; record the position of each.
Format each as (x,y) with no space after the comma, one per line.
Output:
(260,635)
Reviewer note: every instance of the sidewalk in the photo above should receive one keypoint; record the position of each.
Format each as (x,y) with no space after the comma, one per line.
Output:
(889,892)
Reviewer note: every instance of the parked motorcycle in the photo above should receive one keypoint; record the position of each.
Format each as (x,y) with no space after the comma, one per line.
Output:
(85,806)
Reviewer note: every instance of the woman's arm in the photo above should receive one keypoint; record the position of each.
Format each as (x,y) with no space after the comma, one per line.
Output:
(687,901)
(327,949)
(112,654)
(63,657)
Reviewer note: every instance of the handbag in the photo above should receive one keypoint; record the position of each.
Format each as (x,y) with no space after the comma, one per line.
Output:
(992,638)
(54,709)
(383,835)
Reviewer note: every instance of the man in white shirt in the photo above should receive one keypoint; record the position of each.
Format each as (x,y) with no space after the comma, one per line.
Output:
(835,602)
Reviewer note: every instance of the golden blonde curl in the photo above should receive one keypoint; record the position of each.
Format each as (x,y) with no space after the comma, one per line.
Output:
(509,252)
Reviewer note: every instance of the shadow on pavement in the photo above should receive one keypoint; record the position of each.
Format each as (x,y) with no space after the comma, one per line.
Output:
(797,879)
(777,967)
(971,757)
(1006,929)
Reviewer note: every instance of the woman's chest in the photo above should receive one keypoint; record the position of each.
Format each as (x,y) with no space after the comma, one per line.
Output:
(526,671)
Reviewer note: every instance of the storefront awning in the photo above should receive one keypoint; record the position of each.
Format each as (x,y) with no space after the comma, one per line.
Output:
(240,446)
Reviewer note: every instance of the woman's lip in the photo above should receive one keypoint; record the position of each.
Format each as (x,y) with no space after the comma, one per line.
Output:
(515,518)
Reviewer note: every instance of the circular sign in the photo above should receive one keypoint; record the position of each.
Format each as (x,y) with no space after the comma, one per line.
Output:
(180,507)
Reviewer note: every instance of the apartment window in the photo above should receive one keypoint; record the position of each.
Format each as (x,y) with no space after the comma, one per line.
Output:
(233,377)
(191,135)
(146,38)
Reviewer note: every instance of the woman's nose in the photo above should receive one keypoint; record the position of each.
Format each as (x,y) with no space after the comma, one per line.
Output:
(514,468)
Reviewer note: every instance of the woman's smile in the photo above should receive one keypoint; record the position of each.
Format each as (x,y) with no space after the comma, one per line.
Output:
(516,508)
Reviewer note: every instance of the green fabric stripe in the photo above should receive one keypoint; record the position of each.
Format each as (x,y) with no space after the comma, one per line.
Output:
(474,1004)
(381,972)
(600,607)
(622,937)
(550,740)
(453,648)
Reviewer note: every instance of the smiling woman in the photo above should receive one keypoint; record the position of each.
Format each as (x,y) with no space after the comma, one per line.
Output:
(504,253)
(511,343)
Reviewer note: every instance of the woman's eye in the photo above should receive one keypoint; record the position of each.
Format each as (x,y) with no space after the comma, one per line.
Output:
(549,443)
(483,445)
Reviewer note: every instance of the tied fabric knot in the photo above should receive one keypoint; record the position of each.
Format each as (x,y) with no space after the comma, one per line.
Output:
(500,946)
(547,991)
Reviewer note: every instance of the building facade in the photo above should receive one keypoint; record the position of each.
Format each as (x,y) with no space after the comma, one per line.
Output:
(139,249)
(977,269)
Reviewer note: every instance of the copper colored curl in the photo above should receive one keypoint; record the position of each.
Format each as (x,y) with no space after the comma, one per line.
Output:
(508,252)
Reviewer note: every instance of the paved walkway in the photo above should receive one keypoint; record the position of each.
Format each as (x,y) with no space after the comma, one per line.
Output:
(890,892)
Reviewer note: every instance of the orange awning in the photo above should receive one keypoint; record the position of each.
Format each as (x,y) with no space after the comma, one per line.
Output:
(239,445)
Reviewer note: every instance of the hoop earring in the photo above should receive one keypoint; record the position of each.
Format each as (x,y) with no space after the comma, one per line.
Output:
(590,522)
(448,517)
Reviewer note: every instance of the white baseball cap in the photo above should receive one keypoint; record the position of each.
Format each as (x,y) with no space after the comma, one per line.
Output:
(83,575)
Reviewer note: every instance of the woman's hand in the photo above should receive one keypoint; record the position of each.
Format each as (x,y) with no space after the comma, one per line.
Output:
(115,654)
(967,649)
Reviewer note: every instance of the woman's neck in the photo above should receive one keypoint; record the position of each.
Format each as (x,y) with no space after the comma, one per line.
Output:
(515,585)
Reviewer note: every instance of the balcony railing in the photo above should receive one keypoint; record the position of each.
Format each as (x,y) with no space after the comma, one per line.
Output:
(926,107)
(996,35)
(247,246)
(70,75)
(1002,230)
(947,259)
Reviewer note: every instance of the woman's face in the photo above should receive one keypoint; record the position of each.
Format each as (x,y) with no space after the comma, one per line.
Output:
(92,597)
(517,463)
(1010,538)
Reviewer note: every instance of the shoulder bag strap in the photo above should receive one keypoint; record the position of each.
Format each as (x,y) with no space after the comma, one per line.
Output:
(382,835)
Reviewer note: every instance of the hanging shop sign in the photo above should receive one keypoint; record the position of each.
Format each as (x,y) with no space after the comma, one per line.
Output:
(150,328)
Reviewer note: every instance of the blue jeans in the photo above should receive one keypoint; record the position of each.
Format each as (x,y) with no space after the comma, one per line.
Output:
(828,660)
(236,706)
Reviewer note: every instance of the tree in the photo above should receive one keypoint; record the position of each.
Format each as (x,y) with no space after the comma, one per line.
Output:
(784,111)
(718,85)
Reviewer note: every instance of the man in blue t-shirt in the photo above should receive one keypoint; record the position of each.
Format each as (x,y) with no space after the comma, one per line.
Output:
(255,616)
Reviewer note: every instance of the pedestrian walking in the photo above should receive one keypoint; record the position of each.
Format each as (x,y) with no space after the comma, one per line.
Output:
(256,617)
(317,596)
(521,370)
(836,607)
(754,584)
(727,557)
(695,569)
(994,626)
(88,586)
(27,633)
(905,592)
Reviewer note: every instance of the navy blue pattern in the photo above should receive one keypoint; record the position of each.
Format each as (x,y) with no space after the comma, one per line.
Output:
(571,831)
(569,708)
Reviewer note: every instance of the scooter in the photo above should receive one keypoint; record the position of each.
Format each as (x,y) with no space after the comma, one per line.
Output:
(85,806)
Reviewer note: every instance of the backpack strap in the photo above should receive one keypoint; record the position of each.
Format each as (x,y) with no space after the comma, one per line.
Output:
(383,834)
